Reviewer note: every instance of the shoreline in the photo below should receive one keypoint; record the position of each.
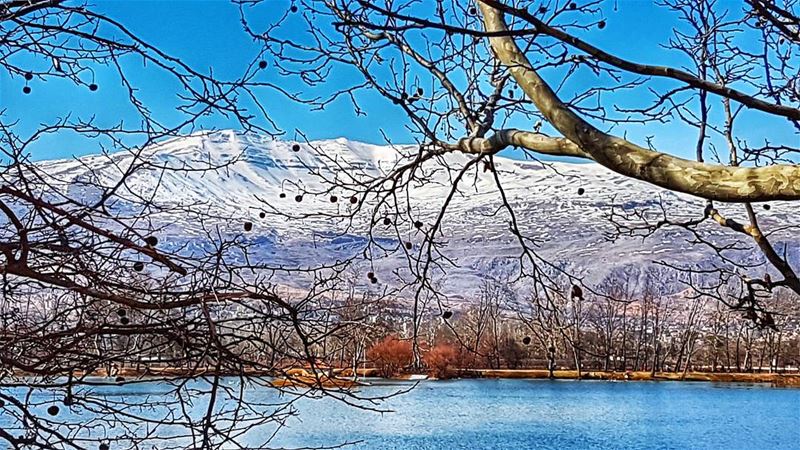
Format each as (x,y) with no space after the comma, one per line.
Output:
(776,379)
(343,378)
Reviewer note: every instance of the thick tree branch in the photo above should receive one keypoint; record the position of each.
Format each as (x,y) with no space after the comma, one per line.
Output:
(715,182)
(527,140)
(644,69)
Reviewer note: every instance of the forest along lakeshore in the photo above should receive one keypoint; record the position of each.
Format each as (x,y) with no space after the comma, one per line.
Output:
(430,224)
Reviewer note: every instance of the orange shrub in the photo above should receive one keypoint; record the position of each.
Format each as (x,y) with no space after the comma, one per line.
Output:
(390,355)
(439,359)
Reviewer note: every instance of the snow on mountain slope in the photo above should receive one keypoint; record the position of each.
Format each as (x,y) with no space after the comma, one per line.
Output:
(253,171)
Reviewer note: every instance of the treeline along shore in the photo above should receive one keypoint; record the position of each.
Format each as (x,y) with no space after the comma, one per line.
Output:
(610,334)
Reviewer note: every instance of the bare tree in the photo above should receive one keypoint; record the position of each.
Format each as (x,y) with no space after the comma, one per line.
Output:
(459,73)
(94,283)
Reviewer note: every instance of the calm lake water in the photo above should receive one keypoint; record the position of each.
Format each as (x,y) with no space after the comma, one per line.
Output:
(525,414)
(543,414)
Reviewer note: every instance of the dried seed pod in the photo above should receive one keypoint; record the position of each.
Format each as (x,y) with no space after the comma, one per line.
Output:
(138,266)
(152,241)
(447,314)
(296,147)
(298,198)
(262,64)
(334,199)
(526,340)
(52,410)
(248,226)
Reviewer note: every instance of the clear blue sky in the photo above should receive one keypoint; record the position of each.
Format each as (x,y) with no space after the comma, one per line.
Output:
(207,34)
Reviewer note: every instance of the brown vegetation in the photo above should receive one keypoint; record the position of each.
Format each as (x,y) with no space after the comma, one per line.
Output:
(440,359)
(390,355)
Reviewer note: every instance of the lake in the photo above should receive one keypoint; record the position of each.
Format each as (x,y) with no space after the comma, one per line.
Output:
(544,414)
(521,414)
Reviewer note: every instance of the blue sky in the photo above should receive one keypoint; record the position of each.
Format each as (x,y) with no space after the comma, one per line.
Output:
(207,34)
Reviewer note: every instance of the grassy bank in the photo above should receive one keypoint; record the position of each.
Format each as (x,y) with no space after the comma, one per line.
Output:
(772,378)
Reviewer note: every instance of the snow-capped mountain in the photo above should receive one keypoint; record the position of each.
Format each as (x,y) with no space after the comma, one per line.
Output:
(564,207)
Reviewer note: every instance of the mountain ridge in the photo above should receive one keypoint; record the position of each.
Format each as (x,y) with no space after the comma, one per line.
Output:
(564,206)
